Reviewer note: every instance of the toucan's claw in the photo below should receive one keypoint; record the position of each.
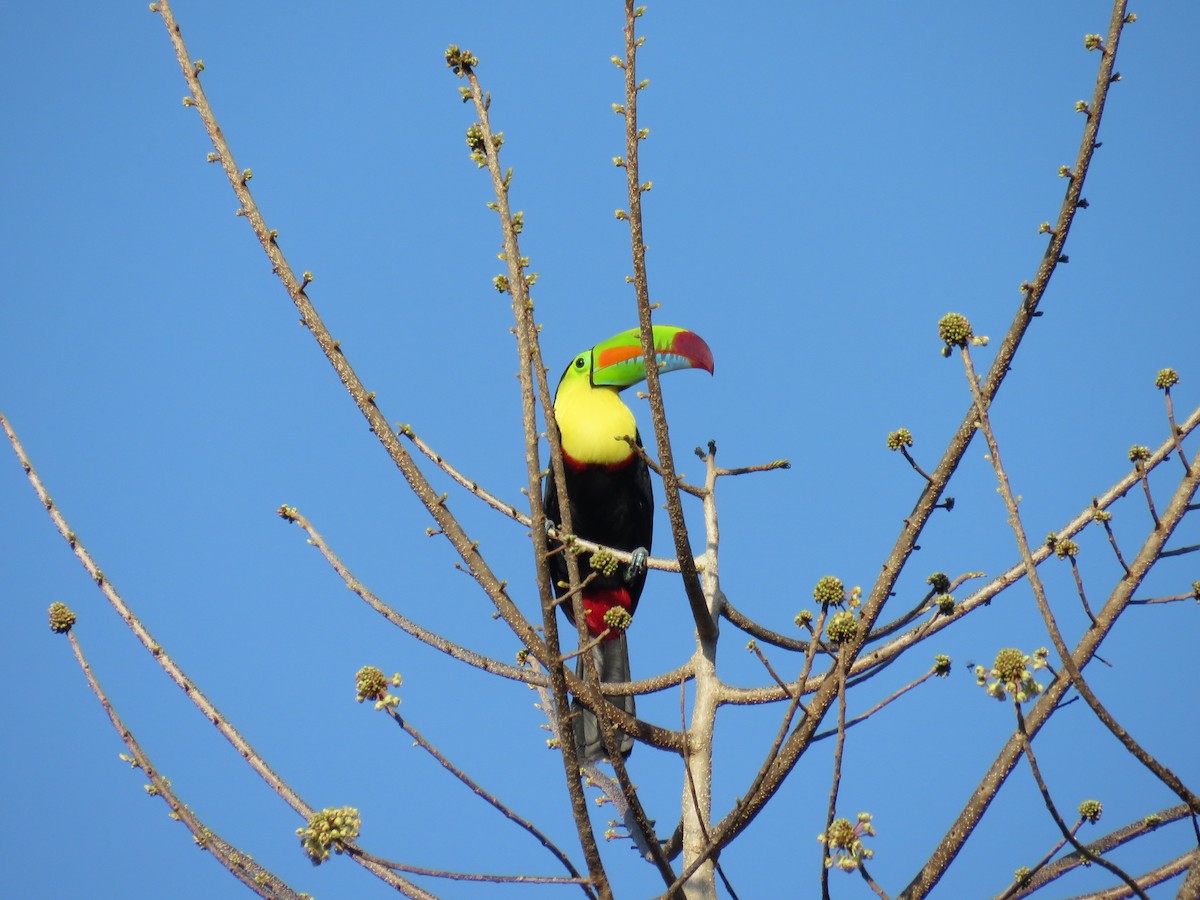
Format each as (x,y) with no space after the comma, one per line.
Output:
(637,565)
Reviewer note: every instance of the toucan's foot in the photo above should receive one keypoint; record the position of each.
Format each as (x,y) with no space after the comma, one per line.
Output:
(637,565)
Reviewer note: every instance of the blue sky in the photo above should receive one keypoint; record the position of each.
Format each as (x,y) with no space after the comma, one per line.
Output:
(828,181)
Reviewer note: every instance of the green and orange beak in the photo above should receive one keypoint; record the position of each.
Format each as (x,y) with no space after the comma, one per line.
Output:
(619,362)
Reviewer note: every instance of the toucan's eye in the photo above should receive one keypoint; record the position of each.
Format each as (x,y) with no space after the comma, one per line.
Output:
(580,362)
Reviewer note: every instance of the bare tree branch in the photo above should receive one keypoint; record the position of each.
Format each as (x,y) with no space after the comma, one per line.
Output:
(240,864)
(174,672)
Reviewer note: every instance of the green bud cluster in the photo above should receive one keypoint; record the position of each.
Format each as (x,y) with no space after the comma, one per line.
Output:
(941,665)
(372,684)
(840,833)
(1011,674)
(939,582)
(1090,810)
(829,591)
(1101,515)
(1093,41)
(61,617)
(604,562)
(1166,378)
(475,137)
(460,61)
(330,829)
(955,330)
(1066,547)
(842,627)
(844,840)
(1139,453)
(804,617)
(945,604)
(618,618)
(1010,664)
(901,437)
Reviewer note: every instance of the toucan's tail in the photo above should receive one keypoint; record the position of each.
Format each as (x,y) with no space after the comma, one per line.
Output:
(612,664)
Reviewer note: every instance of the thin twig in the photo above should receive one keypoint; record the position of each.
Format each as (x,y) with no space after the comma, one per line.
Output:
(931,872)
(240,864)
(738,819)
(797,696)
(532,375)
(1079,587)
(654,467)
(1179,551)
(1175,433)
(705,627)
(490,798)
(466,876)
(594,642)
(862,717)
(172,669)
(365,400)
(1023,879)
(871,883)
(1140,468)
(1185,862)
(831,811)
(1042,875)
(980,598)
(762,658)
(649,733)
(759,632)
(531,360)
(1161,533)
(1067,833)
(1104,519)
(1175,599)
(912,462)
(508,509)
(762,467)
(456,651)
(922,606)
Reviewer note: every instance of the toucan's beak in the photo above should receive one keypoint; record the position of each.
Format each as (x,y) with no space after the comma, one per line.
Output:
(618,362)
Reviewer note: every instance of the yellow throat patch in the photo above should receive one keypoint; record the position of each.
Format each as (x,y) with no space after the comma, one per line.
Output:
(592,421)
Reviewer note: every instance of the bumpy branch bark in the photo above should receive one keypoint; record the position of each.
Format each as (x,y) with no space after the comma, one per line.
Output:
(529,353)
(737,820)
(240,864)
(1089,643)
(173,670)
(705,624)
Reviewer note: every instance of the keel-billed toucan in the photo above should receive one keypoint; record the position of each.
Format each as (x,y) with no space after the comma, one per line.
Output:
(611,499)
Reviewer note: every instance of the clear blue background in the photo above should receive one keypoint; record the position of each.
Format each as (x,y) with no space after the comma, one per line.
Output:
(829,179)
